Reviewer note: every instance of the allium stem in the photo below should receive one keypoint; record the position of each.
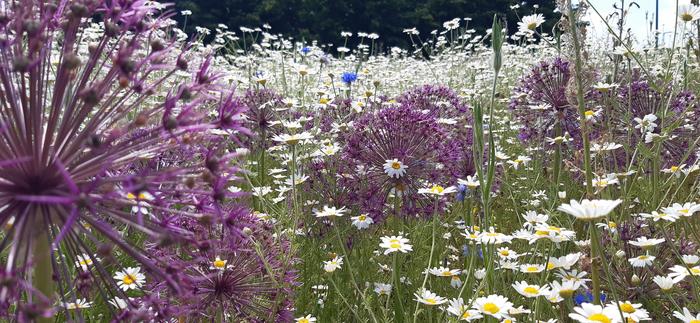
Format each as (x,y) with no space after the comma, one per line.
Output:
(594,262)
(398,303)
(581,103)
(43,269)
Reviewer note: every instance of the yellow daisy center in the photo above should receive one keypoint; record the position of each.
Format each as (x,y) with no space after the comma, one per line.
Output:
(362,217)
(532,269)
(627,308)
(466,315)
(303,321)
(531,290)
(491,308)
(128,279)
(686,17)
(598,317)
(674,168)
(218,263)
(447,273)
(694,321)
(431,301)
(695,271)
(396,165)
(504,253)
(532,26)
(395,245)
(437,189)
(589,113)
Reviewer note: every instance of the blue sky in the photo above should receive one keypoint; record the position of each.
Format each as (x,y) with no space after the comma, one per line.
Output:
(637,19)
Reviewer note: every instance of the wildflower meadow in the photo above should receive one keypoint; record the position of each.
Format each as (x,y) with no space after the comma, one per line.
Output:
(521,174)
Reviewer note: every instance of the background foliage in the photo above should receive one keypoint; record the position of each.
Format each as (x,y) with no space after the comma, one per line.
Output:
(323,20)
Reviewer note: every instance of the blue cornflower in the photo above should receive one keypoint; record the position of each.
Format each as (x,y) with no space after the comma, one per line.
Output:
(349,77)
(462,192)
(587,298)
(305,50)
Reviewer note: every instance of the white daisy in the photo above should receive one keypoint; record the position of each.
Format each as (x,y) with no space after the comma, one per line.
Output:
(394,168)
(588,210)
(130,278)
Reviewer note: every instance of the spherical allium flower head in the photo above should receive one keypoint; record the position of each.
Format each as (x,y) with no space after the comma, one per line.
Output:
(451,112)
(264,107)
(397,151)
(654,116)
(540,104)
(75,117)
(239,268)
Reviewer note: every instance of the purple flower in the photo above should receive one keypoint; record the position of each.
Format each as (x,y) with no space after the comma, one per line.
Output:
(397,150)
(74,138)
(677,119)
(539,103)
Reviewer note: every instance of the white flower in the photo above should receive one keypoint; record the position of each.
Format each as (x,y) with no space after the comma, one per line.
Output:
(631,312)
(530,23)
(444,272)
(527,290)
(646,243)
(119,303)
(494,305)
(686,316)
(305,319)
(688,13)
(362,221)
(85,261)
(394,168)
(642,261)
(685,209)
(589,209)
(292,139)
(457,308)
(589,313)
(382,289)
(331,265)
(218,264)
(186,12)
(429,298)
(330,212)
(395,243)
(679,272)
(646,124)
(606,146)
(656,216)
(78,304)
(664,282)
(690,259)
(565,262)
(518,161)
(437,190)
(130,278)
(566,288)
(531,268)
(471,182)
(533,218)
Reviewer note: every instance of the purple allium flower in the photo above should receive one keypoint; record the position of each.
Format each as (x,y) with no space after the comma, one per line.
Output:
(264,109)
(239,270)
(397,150)
(454,115)
(75,120)
(540,104)
(676,119)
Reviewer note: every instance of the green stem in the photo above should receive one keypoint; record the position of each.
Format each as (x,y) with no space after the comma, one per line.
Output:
(43,269)
(594,262)
(581,103)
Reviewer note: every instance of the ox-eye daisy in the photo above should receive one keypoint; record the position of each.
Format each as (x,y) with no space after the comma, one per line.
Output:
(130,278)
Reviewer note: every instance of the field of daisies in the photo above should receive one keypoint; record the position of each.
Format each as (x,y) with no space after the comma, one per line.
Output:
(147,175)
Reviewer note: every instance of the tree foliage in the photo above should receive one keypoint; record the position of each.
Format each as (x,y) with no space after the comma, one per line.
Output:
(323,20)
